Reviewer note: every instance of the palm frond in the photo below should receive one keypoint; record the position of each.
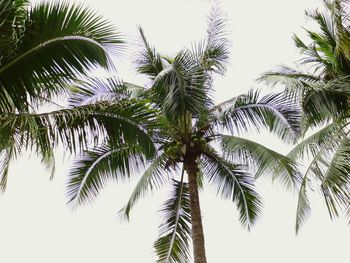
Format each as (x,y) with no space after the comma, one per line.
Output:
(149,61)
(265,160)
(172,245)
(153,178)
(79,127)
(335,181)
(327,101)
(95,167)
(275,112)
(181,87)
(92,90)
(324,138)
(294,81)
(329,167)
(303,207)
(324,142)
(61,41)
(213,53)
(5,158)
(232,182)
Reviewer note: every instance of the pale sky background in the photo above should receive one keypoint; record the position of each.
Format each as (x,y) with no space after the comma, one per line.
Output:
(37,226)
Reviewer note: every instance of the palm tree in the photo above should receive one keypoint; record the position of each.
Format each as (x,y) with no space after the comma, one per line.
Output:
(190,140)
(43,50)
(322,89)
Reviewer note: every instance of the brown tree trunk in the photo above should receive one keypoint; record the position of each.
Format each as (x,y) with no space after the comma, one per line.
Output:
(196,218)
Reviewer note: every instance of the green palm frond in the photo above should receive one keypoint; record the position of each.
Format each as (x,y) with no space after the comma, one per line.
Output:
(172,245)
(325,140)
(81,126)
(265,160)
(96,167)
(303,207)
(153,178)
(50,163)
(327,26)
(5,158)
(94,89)
(181,87)
(294,81)
(329,167)
(149,61)
(335,179)
(327,101)
(232,182)
(28,131)
(60,42)
(326,137)
(275,112)
(135,91)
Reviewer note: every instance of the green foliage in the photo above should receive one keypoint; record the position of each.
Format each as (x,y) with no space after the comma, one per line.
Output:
(154,177)
(267,161)
(99,165)
(233,182)
(280,115)
(175,232)
(187,126)
(52,43)
(322,89)
(43,49)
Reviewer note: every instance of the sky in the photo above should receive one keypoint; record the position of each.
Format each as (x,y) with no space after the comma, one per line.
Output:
(38,226)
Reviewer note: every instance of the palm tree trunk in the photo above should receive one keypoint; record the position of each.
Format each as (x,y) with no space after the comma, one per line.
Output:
(196,218)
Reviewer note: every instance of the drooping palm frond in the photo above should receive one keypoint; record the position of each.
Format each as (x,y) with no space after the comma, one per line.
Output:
(329,168)
(153,178)
(5,157)
(303,206)
(60,42)
(328,101)
(318,149)
(96,167)
(172,245)
(279,114)
(335,179)
(326,137)
(232,182)
(265,160)
(79,127)
(27,131)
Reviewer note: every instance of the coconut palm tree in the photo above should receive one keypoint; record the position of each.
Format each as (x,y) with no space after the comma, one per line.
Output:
(196,141)
(44,49)
(321,87)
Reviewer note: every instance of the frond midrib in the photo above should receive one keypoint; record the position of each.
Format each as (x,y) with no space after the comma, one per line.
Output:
(49,42)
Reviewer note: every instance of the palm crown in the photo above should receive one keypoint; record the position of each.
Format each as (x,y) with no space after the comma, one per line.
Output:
(188,131)
(322,89)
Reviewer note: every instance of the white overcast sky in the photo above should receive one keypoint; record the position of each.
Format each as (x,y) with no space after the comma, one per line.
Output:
(37,226)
